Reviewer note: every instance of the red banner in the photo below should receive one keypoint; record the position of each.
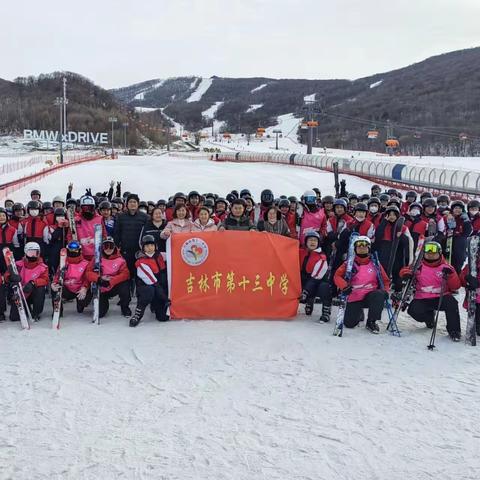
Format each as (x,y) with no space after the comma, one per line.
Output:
(233,274)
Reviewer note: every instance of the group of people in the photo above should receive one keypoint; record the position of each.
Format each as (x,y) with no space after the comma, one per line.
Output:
(387,227)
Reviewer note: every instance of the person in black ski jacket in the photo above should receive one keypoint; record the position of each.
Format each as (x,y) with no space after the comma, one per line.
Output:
(236,219)
(128,226)
(154,227)
(463,229)
(384,238)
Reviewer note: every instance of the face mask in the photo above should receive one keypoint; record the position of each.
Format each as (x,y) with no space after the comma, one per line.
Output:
(144,210)
(414,212)
(87,215)
(34,213)
(359,219)
(31,259)
(373,209)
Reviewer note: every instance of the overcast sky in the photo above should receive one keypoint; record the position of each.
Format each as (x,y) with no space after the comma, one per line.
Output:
(117,43)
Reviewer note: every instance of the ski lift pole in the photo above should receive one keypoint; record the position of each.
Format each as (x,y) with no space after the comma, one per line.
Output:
(335,175)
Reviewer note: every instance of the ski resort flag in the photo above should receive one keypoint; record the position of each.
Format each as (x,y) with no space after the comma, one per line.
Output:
(232,274)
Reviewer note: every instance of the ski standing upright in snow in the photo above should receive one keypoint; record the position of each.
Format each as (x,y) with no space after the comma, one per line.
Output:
(472,257)
(71,222)
(97,269)
(18,295)
(338,331)
(451,225)
(57,299)
(397,228)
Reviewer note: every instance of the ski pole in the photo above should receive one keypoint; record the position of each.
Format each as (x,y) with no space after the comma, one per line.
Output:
(431,345)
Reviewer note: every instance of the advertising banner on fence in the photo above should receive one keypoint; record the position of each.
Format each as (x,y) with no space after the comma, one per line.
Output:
(233,274)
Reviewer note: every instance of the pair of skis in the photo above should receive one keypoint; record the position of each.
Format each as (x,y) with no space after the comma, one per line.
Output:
(18,295)
(473,250)
(338,330)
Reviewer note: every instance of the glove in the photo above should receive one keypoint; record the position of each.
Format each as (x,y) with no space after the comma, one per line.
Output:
(104,283)
(347,290)
(447,271)
(15,278)
(88,191)
(28,288)
(82,293)
(406,273)
(472,282)
(55,287)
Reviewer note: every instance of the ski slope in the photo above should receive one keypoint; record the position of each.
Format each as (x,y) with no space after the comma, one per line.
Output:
(156,177)
(241,400)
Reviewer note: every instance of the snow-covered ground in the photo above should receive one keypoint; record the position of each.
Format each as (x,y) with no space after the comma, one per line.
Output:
(156,177)
(241,400)
(211,111)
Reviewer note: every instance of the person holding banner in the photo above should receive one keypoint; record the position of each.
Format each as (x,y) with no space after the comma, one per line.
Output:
(314,275)
(273,222)
(181,222)
(204,223)
(236,219)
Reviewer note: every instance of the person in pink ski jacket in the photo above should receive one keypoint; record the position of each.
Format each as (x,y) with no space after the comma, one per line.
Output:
(429,277)
(75,283)
(85,224)
(33,276)
(313,217)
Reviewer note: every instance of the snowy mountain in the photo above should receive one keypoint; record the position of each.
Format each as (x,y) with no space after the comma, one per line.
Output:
(440,92)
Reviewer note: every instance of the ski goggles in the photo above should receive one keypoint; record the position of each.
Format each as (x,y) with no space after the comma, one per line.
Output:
(362,243)
(431,248)
(108,245)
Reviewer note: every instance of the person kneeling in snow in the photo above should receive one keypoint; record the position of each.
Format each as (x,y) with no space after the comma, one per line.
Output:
(314,275)
(429,277)
(113,279)
(33,276)
(150,282)
(363,290)
(75,283)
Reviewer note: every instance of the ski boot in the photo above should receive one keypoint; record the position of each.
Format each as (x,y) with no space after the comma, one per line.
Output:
(429,322)
(325,316)
(303,297)
(396,297)
(309,306)
(136,317)
(2,317)
(477,328)
(372,326)
(126,312)
(455,336)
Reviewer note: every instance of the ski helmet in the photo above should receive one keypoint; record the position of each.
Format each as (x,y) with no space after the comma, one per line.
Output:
(293,199)
(373,200)
(429,202)
(87,200)
(457,203)
(47,207)
(411,194)
(231,198)
(35,192)
(352,196)
(415,205)
(425,195)
(394,201)
(71,202)
(108,240)
(327,199)
(471,204)
(58,199)
(443,198)
(392,208)
(360,207)
(105,205)
(284,203)
(384,197)
(376,188)
(239,201)
(244,192)
(74,248)
(311,234)
(310,197)
(33,205)
(340,202)
(364,198)
(179,195)
(148,239)
(32,249)
(362,239)
(266,197)
(162,202)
